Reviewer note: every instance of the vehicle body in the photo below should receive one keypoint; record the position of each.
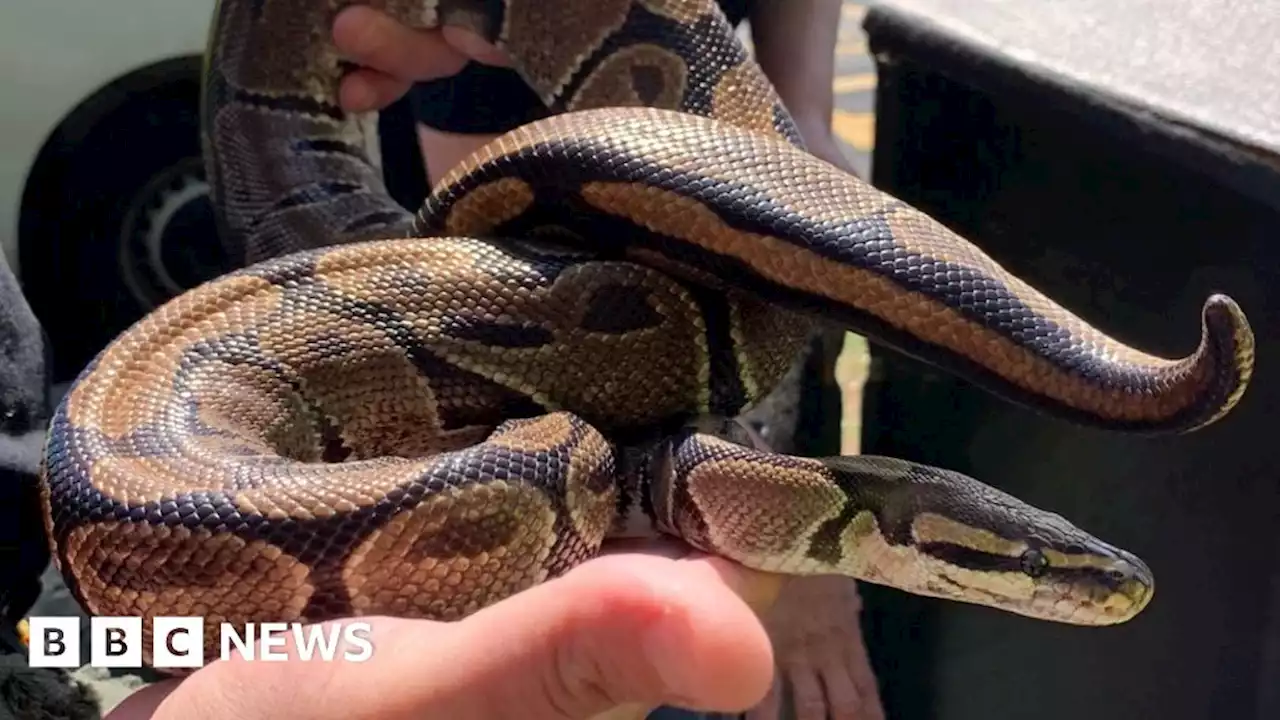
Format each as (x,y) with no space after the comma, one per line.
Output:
(103,204)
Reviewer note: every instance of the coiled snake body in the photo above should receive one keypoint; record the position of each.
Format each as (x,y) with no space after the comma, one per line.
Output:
(421,415)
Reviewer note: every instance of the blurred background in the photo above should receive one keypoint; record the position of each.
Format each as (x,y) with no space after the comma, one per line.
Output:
(103,205)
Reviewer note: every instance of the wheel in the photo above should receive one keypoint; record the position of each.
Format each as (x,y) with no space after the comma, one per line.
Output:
(116,217)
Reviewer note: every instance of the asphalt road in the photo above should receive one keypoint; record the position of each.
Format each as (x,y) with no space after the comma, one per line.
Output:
(854,86)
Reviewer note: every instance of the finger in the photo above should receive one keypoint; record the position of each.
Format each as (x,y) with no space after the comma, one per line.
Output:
(844,700)
(365,90)
(630,711)
(770,708)
(807,698)
(864,678)
(476,48)
(629,628)
(872,708)
(759,590)
(371,38)
(622,629)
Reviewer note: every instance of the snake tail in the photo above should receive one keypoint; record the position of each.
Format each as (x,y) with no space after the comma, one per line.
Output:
(763,215)
(724,186)
(916,528)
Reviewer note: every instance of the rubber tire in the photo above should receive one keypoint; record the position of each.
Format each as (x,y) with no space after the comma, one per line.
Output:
(75,206)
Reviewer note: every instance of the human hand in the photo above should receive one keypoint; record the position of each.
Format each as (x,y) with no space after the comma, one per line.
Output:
(393,56)
(624,633)
(820,653)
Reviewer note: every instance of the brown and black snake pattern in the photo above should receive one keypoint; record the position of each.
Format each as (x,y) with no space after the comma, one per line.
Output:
(421,415)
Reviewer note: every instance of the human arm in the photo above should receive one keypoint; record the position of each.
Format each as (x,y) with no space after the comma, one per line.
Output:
(795,45)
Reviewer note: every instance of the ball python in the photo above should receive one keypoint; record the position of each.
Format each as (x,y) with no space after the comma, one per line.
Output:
(419,414)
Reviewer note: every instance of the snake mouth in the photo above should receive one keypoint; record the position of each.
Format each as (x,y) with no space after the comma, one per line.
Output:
(1101,594)
(1122,605)
(1133,593)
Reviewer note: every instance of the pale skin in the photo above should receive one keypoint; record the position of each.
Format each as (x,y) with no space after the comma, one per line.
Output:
(794,44)
(816,637)
(640,627)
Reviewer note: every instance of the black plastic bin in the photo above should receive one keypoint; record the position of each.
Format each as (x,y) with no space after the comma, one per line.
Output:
(1095,149)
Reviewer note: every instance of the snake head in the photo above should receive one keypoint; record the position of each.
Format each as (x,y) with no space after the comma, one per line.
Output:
(1067,577)
(944,534)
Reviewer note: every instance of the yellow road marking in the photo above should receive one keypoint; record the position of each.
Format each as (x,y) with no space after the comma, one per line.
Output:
(857,129)
(853,13)
(853,83)
(851,47)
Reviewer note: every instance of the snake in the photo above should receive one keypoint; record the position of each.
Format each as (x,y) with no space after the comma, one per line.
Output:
(420,412)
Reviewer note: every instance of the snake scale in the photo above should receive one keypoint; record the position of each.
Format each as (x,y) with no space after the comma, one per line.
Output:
(420,414)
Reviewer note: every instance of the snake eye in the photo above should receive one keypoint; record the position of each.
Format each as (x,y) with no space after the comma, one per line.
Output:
(1034,563)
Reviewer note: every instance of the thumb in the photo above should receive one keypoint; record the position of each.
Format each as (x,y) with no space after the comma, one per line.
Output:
(625,632)
(625,629)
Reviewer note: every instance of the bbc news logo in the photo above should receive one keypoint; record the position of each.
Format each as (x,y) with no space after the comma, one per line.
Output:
(179,642)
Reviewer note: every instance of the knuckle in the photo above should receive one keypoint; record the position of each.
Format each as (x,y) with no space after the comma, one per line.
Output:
(809,703)
(846,708)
